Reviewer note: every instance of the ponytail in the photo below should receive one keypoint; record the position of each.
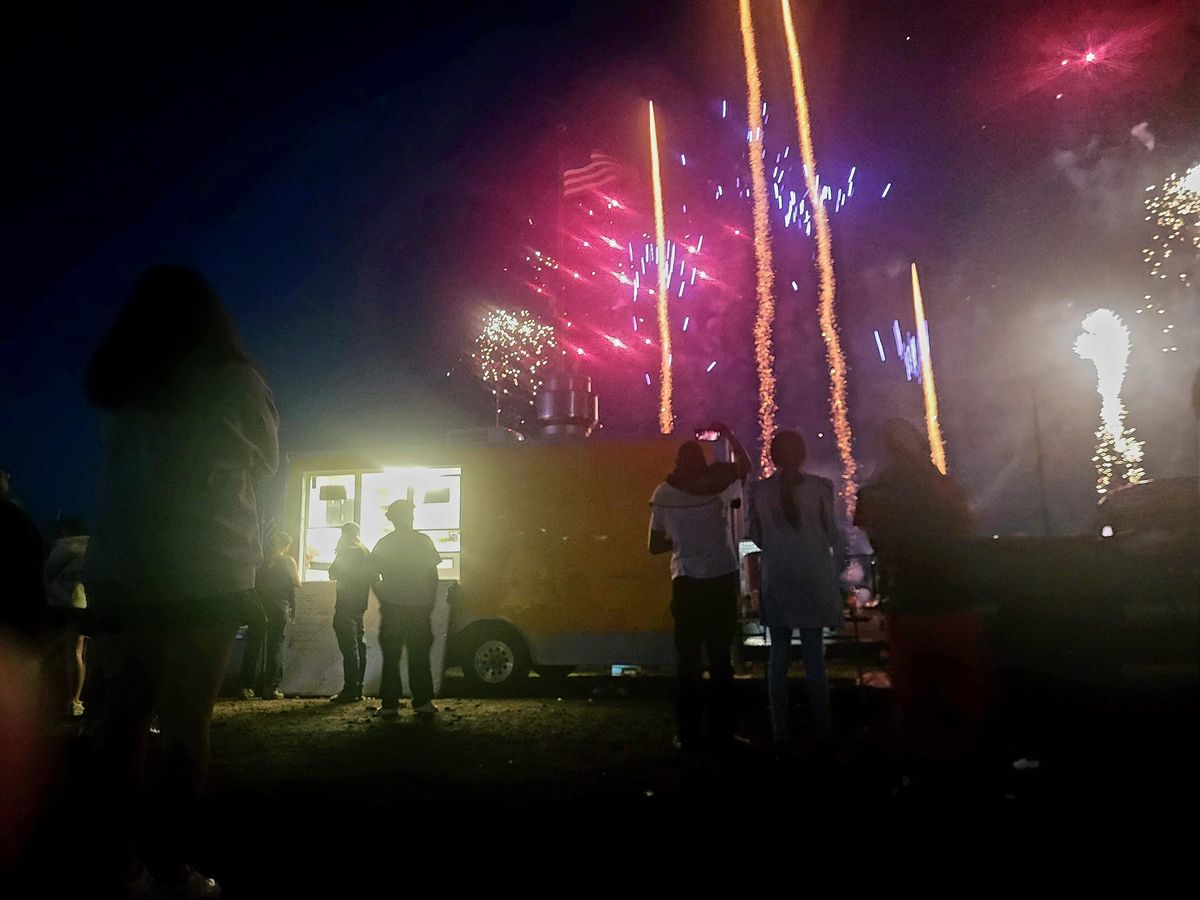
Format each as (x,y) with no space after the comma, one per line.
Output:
(789,480)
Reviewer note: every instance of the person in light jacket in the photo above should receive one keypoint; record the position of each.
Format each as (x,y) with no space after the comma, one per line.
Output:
(792,522)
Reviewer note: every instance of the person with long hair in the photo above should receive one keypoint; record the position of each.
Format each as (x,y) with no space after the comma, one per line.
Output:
(189,430)
(792,522)
(919,524)
(351,570)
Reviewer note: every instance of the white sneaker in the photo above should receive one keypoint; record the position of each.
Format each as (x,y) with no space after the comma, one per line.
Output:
(76,708)
(247,694)
(425,709)
(197,887)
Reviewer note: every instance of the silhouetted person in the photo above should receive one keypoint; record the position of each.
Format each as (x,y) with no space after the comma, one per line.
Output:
(67,598)
(189,430)
(26,748)
(689,518)
(919,523)
(406,562)
(792,521)
(23,603)
(352,571)
(275,589)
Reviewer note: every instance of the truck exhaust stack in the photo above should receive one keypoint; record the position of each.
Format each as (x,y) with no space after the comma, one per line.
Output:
(566,407)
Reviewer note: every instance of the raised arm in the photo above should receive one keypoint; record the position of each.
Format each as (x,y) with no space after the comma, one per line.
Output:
(740,458)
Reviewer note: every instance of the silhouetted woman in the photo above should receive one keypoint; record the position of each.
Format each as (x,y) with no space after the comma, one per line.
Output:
(189,429)
(792,521)
(919,523)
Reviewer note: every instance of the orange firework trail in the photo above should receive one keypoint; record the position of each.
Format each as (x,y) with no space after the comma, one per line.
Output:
(666,417)
(765,273)
(827,285)
(937,449)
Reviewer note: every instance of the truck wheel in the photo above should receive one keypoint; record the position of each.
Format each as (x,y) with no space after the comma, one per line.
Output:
(496,660)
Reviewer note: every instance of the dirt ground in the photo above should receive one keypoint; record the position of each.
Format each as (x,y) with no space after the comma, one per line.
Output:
(302,788)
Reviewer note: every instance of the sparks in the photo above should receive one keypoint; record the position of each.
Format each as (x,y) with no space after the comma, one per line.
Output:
(827,285)
(666,417)
(937,447)
(512,349)
(764,270)
(1105,341)
(1175,211)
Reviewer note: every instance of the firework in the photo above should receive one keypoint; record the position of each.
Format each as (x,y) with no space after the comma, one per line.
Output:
(512,348)
(666,417)
(937,448)
(764,269)
(827,285)
(1105,341)
(1175,210)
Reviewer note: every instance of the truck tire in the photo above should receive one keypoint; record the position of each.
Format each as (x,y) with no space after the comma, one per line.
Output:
(494,659)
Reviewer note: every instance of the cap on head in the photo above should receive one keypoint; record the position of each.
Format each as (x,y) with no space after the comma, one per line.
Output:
(350,530)
(400,512)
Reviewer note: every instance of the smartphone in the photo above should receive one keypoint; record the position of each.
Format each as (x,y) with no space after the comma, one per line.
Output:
(708,434)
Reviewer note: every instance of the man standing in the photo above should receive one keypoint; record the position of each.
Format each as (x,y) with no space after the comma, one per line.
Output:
(406,562)
(689,517)
(351,570)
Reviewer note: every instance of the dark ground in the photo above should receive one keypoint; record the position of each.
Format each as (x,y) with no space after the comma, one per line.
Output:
(305,793)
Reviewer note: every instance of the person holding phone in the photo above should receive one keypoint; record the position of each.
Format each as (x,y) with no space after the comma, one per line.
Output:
(689,518)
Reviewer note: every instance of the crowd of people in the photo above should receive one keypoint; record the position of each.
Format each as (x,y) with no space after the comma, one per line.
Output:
(160,586)
(918,522)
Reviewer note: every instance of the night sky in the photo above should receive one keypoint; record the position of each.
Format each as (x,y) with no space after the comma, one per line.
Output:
(355,179)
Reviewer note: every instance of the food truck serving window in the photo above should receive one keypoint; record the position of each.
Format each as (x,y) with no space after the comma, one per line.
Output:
(435,492)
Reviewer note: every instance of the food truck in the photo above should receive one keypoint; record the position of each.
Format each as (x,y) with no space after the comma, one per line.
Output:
(543,544)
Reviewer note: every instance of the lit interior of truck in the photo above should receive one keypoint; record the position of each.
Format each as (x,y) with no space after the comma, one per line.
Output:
(333,499)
